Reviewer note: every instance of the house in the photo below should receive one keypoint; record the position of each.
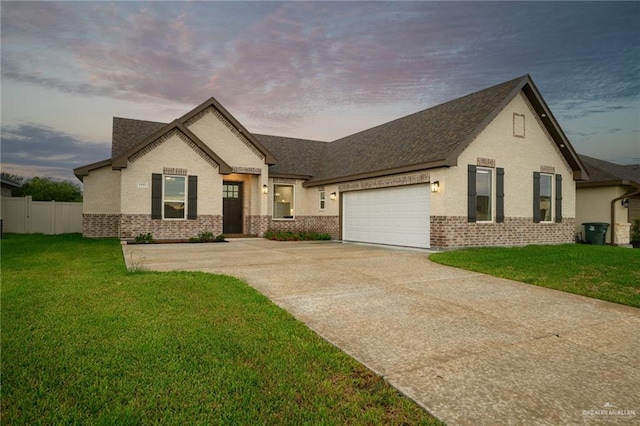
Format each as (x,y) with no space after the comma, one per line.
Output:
(8,186)
(490,168)
(611,195)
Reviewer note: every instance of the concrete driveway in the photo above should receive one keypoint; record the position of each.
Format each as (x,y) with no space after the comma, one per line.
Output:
(471,349)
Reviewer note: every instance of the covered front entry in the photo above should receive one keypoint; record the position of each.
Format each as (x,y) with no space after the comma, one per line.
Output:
(232,207)
(395,216)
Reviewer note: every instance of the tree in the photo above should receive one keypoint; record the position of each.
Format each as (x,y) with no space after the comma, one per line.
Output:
(47,189)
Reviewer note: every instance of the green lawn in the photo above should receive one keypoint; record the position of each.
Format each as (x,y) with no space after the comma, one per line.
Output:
(86,342)
(602,272)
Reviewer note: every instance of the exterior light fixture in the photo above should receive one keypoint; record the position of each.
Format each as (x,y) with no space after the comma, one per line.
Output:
(333,195)
(265,189)
(435,186)
(625,203)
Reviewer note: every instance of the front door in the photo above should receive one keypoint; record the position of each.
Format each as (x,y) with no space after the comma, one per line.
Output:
(232,207)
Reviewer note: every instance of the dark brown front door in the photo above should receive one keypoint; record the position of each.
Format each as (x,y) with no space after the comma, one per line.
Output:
(232,207)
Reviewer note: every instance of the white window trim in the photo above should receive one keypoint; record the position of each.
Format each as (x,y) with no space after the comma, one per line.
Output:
(551,197)
(492,194)
(322,200)
(273,203)
(186,197)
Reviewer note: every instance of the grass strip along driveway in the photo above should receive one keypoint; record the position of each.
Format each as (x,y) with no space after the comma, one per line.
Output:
(86,342)
(602,272)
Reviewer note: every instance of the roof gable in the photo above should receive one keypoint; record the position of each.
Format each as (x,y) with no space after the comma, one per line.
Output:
(121,160)
(434,137)
(212,102)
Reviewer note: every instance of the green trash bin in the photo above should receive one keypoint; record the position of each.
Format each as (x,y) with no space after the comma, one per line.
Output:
(595,232)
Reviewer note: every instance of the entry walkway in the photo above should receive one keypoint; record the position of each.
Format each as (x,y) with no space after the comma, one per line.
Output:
(470,348)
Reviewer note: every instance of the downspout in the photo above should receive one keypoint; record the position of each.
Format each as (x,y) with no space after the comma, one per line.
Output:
(613,212)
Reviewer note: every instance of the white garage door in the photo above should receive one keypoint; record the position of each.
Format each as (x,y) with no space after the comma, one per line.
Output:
(395,216)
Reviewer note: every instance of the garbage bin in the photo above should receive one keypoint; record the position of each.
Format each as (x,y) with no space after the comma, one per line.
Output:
(595,232)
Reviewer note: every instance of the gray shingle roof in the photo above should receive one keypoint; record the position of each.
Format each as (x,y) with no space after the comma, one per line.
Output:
(296,157)
(431,136)
(127,132)
(601,171)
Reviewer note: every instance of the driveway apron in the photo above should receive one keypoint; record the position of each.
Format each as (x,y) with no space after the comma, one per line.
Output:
(470,348)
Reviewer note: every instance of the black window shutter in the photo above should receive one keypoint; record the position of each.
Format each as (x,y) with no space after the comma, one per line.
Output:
(156,196)
(558,198)
(192,206)
(499,195)
(536,197)
(471,191)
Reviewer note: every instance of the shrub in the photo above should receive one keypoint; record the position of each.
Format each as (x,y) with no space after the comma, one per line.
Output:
(204,237)
(144,238)
(295,236)
(635,229)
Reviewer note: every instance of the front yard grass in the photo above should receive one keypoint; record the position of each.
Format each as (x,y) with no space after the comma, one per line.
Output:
(86,342)
(602,272)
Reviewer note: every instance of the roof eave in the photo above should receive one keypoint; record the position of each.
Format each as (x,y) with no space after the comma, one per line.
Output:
(82,171)
(603,183)
(554,129)
(380,173)
(289,176)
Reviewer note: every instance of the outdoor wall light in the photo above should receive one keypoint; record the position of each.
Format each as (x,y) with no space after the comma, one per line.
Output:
(333,196)
(435,186)
(625,203)
(265,189)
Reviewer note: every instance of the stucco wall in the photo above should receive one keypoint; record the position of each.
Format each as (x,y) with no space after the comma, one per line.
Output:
(594,205)
(101,192)
(172,153)
(519,156)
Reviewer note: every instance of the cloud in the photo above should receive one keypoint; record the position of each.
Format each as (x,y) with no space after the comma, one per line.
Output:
(33,148)
(278,65)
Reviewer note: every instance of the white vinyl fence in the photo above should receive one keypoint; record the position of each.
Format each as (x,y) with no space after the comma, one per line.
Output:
(22,215)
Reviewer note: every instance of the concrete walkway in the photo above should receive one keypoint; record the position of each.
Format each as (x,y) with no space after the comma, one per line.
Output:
(471,349)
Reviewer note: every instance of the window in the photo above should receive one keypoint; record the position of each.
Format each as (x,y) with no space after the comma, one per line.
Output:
(546,194)
(480,193)
(283,202)
(483,195)
(230,191)
(174,197)
(322,200)
(543,197)
(168,196)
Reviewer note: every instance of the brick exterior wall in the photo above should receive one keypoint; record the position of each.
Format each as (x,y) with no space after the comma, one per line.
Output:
(256,225)
(455,231)
(132,225)
(322,224)
(100,225)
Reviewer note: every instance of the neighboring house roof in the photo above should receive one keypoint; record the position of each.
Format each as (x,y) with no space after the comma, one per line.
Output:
(604,173)
(296,157)
(10,183)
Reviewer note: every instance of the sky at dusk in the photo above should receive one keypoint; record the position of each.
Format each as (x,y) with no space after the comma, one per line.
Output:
(313,70)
